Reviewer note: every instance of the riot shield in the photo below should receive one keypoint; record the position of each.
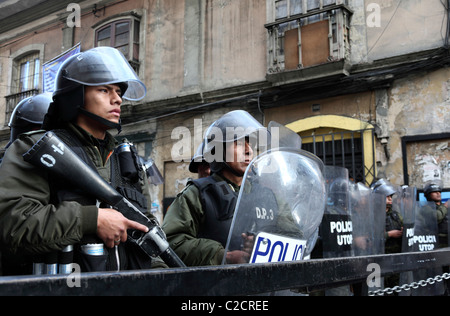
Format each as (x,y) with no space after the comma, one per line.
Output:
(408,204)
(337,227)
(408,207)
(422,235)
(368,218)
(368,211)
(408,211)
(279,209)
(283,137)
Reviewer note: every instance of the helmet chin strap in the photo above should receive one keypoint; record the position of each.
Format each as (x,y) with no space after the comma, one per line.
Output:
(237,174)
(103,121)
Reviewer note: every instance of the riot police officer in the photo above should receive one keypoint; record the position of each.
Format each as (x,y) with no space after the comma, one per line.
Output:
(41,215)
(394,226)
(433,190)
(28,116)
(394,221)
(198,222)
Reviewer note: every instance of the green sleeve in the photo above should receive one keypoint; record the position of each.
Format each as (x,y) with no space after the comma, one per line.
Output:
(28,222)
(441,212)
(182,225)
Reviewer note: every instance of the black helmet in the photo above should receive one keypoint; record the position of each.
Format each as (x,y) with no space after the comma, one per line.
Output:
(384,187)
(432,186)
(29,114)
(339,191)
(198,159)
(95,67)
(231,127)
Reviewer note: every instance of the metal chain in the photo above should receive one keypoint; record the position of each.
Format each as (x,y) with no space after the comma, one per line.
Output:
(409,287)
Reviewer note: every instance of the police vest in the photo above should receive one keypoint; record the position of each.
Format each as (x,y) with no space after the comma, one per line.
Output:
(443,226)
(218,201)
(66,192)
(393,221)
(62,191)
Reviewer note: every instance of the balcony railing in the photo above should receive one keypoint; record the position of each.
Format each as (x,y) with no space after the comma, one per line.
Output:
(316,37)
(14,99)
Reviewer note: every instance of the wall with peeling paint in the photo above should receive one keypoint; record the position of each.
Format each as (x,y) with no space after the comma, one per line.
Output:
(429,160)
(419,106)
(405,27)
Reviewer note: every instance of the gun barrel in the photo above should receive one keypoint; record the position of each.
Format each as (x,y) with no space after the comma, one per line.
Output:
(171,259)
(53,154)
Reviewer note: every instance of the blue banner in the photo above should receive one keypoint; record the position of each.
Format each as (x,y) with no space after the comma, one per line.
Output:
(50,69)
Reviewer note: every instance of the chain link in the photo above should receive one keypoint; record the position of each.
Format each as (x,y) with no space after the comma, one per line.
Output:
(412,286)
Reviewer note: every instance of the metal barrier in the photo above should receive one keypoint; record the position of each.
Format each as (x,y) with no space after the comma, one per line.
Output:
(233,280)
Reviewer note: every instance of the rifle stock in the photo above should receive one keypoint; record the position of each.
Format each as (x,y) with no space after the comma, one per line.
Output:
(53,155)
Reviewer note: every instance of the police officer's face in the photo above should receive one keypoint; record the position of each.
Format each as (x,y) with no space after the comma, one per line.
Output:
(239,155)
(104,101)
(389,200)
(436,196)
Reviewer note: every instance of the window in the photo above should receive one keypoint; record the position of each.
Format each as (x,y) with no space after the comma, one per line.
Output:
(25,80)
(344,149)
(307,33)
(340,141)
(28,75)
(123,35)
(289,8)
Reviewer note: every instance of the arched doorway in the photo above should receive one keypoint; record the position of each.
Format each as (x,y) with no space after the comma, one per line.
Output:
(340,141)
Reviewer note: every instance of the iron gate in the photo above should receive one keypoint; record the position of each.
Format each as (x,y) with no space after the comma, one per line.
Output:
(345,149)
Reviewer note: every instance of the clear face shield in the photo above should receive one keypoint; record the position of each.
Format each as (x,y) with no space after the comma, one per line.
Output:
(283,137)
(234,127)
(104,66)
(384,187)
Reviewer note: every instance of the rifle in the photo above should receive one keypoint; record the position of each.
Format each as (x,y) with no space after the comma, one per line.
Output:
(52,154)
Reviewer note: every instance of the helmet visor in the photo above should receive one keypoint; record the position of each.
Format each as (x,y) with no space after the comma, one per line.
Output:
(104,66)
(385,187)
(235,126)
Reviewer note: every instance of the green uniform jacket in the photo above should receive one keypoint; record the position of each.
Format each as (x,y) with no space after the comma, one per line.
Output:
(182,225)
(28,222)
(442,212)
(394,221)
(442,217)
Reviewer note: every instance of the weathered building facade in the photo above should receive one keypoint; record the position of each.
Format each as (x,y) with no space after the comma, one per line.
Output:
(364,82)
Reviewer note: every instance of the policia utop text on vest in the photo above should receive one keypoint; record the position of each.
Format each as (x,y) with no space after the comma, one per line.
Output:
(39,215)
